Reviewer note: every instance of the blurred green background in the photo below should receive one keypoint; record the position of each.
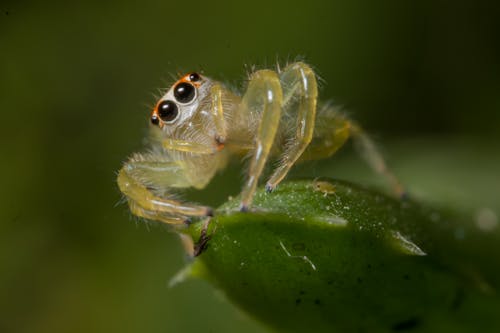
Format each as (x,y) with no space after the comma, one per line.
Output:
(76,84)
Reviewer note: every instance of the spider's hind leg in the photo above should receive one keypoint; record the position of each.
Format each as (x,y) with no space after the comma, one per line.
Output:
(375,160)
(333,129)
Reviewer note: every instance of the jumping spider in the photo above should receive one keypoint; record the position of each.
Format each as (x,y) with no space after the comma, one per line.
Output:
(199,124)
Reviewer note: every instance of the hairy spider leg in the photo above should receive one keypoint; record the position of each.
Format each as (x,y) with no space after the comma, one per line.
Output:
(133,181)
(153,215)
(374,158)
(263,93)
(333,129)
(298,80)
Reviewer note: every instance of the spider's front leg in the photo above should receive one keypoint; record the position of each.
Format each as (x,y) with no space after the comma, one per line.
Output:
(264,94)
(141,174)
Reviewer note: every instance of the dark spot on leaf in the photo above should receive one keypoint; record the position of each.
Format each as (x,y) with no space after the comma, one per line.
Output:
(302,292)
(297,301)
(359,280)
(330,282)
(317,301)
(406,277)
(369,266)
(406,325)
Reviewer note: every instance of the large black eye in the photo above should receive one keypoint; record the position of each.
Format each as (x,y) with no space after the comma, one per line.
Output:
(194,77)
(184,92)
(167,110)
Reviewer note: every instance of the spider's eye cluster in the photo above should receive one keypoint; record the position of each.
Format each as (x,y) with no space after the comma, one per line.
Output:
(184,92)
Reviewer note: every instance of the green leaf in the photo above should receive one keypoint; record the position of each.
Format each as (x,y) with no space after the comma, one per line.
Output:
(329,256)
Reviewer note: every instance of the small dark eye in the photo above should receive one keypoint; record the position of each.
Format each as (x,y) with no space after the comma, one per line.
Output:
(194,77)
(167,110)
(184,92)
(155,120)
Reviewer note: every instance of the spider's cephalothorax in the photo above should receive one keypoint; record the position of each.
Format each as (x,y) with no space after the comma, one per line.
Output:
(199,124)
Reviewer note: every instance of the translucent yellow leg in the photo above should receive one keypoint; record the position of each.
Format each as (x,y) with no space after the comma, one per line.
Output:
(145,203)
(299,79)
(374,159)
(333,130)
(263,93)
(137,210)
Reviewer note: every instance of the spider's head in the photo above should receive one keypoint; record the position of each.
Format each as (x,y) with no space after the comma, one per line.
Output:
(180,102)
